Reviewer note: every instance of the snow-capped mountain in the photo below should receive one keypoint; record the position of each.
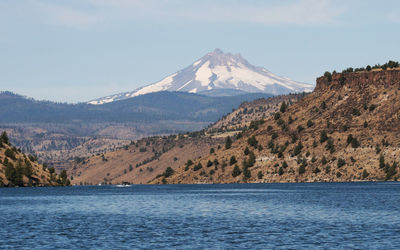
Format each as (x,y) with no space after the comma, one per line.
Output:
(218,73)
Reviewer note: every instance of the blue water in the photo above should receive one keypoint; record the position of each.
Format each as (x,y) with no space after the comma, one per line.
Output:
(323,215)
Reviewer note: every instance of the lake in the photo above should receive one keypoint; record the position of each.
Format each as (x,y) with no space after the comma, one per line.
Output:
(303,215)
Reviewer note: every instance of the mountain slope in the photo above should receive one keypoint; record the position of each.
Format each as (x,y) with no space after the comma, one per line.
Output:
(348,129)
(253,111)
(218,73)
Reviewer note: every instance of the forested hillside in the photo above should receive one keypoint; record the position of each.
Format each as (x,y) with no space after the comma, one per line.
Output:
(18,169)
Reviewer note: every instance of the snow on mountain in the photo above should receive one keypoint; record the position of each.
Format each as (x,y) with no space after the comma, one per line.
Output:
(218,71)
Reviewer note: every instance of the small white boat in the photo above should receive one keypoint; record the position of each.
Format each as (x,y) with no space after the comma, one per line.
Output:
(124,184)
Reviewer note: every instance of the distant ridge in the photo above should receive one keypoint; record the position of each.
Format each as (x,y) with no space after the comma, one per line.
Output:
(152,107)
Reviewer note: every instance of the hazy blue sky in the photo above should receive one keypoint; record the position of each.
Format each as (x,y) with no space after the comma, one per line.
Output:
(70,50)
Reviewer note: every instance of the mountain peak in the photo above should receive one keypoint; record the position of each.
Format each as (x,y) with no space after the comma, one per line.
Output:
(217,51)
(219,58)
(219,72)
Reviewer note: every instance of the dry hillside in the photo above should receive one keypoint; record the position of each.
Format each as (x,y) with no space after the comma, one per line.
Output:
(348,129)
(143,160)
(17,169)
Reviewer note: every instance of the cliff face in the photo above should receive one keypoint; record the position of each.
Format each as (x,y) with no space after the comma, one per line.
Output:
(361,89)
(348,129)
(359,81)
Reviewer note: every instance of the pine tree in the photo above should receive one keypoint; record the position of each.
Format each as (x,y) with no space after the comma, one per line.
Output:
(328,76)
(323,136)
(280,171)
(228,142)
(260,175)
(232,160)
(4,138)
(381,161)
(236,171)
(168,172)
(283,107)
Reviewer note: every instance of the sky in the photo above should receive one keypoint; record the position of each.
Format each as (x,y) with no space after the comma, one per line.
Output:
(75,51)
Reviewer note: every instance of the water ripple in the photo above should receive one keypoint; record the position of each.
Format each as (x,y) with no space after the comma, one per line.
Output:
(257,216)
